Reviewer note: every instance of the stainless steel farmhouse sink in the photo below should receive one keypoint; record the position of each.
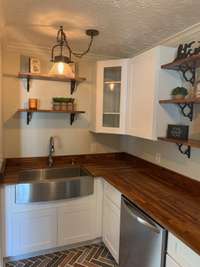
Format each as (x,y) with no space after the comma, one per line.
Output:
(53,184)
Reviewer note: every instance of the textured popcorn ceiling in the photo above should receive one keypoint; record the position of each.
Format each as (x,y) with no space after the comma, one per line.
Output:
(126,26)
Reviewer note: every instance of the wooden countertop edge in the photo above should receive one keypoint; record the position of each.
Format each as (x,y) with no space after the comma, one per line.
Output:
(96,171)
(153,216)
(3,168)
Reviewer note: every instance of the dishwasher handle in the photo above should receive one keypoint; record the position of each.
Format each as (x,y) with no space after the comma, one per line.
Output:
(136,214)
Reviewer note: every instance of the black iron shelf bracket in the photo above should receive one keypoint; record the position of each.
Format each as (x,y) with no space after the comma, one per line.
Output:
(189,107)
(186,151)
(73,86)
(72,118)
(29,116)
(28,85)
(188,69)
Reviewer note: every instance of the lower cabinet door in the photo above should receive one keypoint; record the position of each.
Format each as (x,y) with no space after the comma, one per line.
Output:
(33,231)
(182,254)
(170,262)
(75,223)
(111,227)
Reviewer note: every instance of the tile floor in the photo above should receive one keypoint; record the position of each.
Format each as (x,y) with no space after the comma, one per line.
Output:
(95,255)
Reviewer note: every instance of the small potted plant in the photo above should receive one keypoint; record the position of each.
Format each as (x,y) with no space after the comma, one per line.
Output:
(63,103)
(70,104)
(56,103)
(179,93)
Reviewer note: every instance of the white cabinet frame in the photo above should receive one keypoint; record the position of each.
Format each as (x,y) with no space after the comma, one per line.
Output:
(123,63)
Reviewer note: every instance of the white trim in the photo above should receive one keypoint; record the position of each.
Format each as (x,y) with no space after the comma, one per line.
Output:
(27,48)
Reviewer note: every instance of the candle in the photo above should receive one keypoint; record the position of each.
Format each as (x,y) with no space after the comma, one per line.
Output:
(33,103)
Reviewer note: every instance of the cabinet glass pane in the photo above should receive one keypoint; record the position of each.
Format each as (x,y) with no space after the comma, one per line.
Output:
(111,96)
(112,74)
(111,120)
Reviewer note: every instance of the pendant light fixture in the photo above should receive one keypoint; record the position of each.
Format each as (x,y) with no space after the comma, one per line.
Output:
(61,53)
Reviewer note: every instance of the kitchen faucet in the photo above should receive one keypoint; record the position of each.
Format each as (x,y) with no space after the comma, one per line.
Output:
(51,151)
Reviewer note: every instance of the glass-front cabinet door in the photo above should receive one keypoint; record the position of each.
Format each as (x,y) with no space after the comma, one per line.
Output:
(111,96)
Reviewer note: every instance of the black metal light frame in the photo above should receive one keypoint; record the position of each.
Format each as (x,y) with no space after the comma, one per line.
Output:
(62,44)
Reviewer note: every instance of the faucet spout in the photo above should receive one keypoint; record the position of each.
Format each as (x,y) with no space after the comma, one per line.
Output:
(51,151)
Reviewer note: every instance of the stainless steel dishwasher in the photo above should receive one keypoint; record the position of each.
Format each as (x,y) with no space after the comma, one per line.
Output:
(142,240)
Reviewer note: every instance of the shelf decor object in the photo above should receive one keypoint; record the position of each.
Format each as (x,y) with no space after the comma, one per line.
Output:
(34,65)
(59,78)
(63,103)
(179,132)
(30,112)
(33,103)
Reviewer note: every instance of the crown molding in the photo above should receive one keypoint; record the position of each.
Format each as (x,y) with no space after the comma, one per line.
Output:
(175,39)
(44,51)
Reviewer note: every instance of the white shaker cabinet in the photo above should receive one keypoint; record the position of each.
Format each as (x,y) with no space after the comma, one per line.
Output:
(111,219)
(38,226)
(80,220)
(148,83)
(110,98)
(170,262)
(181,253)
(75,223)
(32,231)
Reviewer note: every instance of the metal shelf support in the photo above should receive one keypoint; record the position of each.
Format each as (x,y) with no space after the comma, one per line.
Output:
(190,70)
(72,118)
(186,151)
(187,106)
(27,84)
(73,86)
(29,116)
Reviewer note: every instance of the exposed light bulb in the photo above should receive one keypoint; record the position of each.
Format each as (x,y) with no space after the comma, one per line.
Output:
(112,86)
(61,68)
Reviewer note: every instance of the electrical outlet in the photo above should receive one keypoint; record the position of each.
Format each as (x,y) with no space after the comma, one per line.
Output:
(158,158)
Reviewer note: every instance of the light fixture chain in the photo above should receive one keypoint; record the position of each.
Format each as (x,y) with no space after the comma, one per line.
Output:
(63,42)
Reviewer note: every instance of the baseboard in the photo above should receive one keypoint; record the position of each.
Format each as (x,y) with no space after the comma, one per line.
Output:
(47,251)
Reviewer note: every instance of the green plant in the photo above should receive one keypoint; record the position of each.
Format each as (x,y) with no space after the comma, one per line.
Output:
(179,91)
(63,100)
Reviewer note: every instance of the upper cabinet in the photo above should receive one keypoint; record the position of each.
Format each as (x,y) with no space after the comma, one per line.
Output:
(128,93)
(111,92)
(147,84)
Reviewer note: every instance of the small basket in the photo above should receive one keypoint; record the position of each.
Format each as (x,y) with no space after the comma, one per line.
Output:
(56,106)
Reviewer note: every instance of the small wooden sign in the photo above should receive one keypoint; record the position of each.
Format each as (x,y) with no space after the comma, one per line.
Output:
(178,131)
(34,65)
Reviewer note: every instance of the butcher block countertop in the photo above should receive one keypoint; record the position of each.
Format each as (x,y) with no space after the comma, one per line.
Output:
(171,199)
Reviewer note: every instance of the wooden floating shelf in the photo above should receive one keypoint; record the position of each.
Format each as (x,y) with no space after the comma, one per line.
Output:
(49,111)
(192,61)
(186,105)
(181,101)
(31,111)
(182,143)
(59,78)
(185,66)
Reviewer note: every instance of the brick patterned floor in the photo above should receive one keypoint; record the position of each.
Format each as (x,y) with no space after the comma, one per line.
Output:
(88,256)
